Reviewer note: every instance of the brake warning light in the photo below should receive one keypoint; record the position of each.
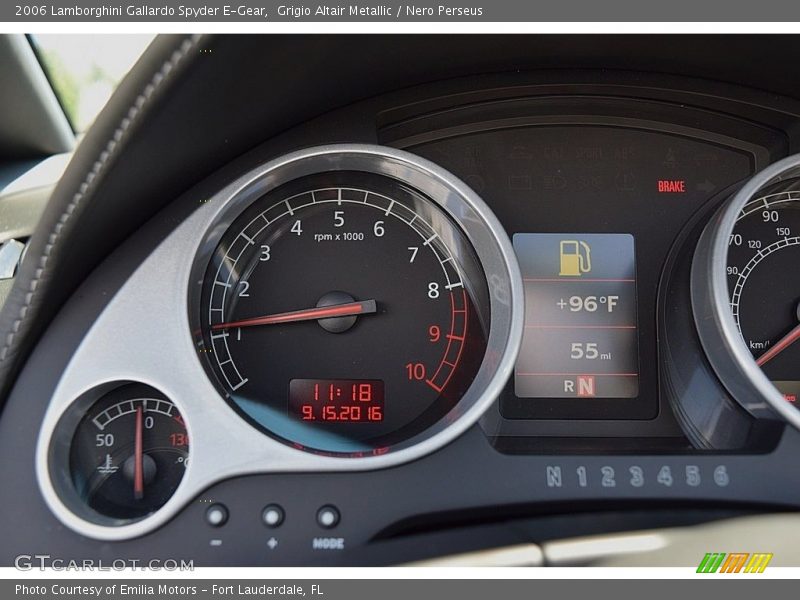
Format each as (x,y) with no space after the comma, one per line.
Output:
(671,186)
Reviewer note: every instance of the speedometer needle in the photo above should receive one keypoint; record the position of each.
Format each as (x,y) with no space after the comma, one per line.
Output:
(779,347)
(348,309)
(138,457)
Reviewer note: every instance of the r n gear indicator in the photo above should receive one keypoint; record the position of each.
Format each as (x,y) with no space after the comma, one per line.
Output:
(581,331)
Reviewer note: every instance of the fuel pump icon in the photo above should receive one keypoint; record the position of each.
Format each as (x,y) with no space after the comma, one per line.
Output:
(576,258)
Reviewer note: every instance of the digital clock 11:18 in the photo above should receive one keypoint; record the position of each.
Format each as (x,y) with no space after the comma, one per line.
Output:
(336,400)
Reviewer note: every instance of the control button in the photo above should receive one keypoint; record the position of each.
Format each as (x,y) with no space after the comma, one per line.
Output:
(328,517)
(217,515)
(272,515)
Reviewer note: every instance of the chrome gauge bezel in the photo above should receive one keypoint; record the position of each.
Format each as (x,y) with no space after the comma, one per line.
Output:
(61,446)
(426,218)
(135,340)
(711,302)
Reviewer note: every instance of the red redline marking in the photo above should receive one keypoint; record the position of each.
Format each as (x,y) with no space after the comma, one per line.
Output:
(450,338)
(590,280)
(578,374)
(454,337)
(433,385)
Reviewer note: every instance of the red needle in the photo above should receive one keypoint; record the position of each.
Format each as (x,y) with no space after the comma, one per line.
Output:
(138,456)
(310,314)
(779,347)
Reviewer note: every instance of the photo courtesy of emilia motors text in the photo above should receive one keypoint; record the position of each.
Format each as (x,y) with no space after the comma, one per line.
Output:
(370,300)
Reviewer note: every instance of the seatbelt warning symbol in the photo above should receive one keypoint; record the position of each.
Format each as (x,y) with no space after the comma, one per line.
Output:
(575,258)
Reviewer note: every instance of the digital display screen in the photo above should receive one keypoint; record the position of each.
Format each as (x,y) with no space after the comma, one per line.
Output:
(336,400)
(581,331)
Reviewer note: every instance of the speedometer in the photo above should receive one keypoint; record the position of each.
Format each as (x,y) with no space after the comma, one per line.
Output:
(746,292)
(346,309)
(764,283)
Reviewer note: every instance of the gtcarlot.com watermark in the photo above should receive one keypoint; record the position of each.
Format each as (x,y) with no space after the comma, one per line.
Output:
(42,562)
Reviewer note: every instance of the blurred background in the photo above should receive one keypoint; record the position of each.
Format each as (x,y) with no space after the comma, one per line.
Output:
(85,69)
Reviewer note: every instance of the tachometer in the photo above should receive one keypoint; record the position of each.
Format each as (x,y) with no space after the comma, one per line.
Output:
(346,311)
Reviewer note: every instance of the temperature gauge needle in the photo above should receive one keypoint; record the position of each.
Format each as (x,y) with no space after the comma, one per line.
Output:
(138,457)
(779,347)
(348,309)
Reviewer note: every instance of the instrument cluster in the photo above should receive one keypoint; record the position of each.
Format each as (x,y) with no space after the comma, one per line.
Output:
(565,288)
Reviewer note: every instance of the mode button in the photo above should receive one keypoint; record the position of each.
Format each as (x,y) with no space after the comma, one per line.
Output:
(328,517)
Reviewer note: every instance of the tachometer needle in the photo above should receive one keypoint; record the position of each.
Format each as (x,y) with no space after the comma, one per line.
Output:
(138,457)
(348,309)
(779,347)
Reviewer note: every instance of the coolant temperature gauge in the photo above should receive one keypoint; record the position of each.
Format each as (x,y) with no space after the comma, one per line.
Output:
(128,454)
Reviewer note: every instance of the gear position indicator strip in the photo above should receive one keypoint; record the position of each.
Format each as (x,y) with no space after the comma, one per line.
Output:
(581,333)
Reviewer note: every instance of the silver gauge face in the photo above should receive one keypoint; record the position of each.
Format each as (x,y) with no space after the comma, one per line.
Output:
(372,385)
